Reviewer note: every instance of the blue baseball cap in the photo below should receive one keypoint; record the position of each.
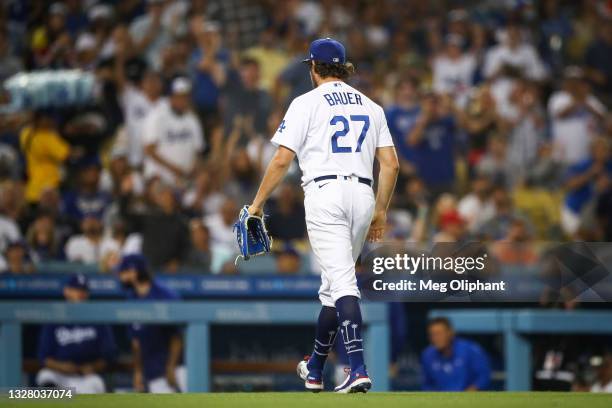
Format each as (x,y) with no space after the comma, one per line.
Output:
(132,261)
(78,281)
(326,50)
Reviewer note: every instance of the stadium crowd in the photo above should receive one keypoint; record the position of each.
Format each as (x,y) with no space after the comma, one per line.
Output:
(499,112)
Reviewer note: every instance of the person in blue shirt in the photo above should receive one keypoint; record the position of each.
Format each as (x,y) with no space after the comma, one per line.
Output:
(583,182)
(74,355)
(401,118)
(86,198)
(451,363)
(431,139)
(157,349)
(208,66)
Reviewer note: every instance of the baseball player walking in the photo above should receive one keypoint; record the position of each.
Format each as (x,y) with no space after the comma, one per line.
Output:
(336,132)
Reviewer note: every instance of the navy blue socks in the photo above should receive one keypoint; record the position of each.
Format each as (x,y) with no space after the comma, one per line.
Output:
(327,327)
(349,320)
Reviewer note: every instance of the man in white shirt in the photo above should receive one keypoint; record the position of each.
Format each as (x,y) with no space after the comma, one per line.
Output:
(137,103)
(576,116)
(86,247)
(512,58)
(453,70)
(173,137)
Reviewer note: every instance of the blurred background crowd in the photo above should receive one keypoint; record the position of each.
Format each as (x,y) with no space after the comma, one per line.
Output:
(499,111)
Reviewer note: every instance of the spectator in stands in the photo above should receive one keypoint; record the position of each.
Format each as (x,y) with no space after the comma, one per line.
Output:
(480,121)
(151,33)
(271,59)
(494,164)
(584,181)
(44,239)
(86,198)
(204,196)
(209,64)
(118,243)
(516,248)
(513,58)
(222,236)
(286,213)
(164,231)
(526,133)
(45,152)
(453,70)
(85,247)
(74,355)
(173,137)
(476,208)
(288,261)
(452,363)
(200,255)
(157,349)
(598,55)
(50,42)
(136,103)
(9,230)
(576,116)
(452,227)
(245,97)
(118,177)
(401,117)
(432,138)
(10,64)
(16,258)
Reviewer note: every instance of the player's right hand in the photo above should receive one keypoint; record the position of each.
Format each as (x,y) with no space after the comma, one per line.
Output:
(377,226)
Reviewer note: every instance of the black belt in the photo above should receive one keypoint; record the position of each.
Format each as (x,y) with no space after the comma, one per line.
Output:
(362,180)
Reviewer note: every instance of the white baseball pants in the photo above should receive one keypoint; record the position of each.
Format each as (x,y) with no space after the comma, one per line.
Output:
(338,216)
(83,384)
(161,386)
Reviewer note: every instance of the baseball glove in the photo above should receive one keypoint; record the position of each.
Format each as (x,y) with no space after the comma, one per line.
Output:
(251,234)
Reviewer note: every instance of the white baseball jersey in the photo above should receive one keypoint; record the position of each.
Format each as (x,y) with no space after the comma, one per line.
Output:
(334,130)
(179,138)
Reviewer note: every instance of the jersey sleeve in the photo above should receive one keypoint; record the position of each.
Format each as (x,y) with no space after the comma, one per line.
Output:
(292,130)
(384,136)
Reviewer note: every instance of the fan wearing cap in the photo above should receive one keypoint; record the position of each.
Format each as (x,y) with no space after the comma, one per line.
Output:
(173,137)
(157,349)
(74,355)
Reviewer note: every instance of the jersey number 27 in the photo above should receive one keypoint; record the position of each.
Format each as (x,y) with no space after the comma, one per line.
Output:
(345,129)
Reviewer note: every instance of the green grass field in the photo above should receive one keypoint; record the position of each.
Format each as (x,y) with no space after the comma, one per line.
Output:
(307,400)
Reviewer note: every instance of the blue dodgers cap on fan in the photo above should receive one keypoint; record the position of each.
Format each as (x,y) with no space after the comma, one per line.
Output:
(326,50)
(78,281)
(132,261)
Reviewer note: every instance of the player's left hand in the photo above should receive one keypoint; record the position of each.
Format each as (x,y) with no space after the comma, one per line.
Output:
(377,226)
(257,211)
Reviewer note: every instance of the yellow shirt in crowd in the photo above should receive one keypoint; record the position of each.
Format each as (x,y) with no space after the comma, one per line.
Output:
(45,151)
